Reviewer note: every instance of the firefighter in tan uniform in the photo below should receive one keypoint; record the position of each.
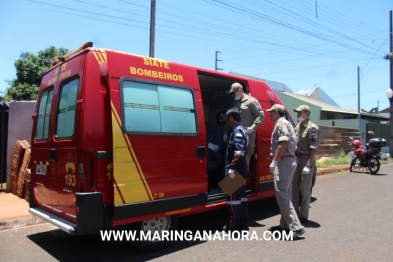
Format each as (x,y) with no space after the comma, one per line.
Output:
(251,114)
(283,146)
(307,137)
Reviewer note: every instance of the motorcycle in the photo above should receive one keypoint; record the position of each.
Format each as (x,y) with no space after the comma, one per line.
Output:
(369,155)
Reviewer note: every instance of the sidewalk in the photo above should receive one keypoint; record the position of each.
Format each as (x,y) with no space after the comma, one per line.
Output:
(14,211)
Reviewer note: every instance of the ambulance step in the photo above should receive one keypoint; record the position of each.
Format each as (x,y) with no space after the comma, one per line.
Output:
(61,223)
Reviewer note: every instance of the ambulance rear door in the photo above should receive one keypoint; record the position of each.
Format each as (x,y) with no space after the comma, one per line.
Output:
(55,146)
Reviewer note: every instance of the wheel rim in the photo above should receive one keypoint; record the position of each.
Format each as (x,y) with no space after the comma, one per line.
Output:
(373,165)
(156,225)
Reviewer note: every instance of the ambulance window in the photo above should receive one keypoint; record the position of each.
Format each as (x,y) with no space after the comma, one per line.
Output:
(66,111)
(43,117)
(153,108)
(177,110)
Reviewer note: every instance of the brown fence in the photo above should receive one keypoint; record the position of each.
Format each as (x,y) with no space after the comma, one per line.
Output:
(333,139)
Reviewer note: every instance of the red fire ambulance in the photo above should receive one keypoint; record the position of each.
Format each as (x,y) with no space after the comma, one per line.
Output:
(121,140)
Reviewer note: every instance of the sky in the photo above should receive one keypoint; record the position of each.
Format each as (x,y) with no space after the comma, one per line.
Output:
(301,43)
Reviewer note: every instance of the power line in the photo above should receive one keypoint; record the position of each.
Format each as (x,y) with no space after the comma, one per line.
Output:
(189,28)
(258,15)
(313,22)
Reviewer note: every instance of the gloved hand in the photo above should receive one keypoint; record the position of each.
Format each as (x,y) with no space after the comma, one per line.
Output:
(225,138)
(272,166)
(231,173)
(250,130)
(306,169)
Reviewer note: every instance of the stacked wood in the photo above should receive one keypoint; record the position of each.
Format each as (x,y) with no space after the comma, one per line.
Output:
(334,139)
(19,153)
(20,188)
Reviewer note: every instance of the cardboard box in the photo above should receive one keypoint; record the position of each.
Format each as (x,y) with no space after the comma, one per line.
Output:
(230,185)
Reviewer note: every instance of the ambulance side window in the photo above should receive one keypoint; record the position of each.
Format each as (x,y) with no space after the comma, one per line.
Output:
(66,111)
(152,108)
(43,117)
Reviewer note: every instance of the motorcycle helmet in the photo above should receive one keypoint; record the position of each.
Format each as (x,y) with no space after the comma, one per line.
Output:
(356,143)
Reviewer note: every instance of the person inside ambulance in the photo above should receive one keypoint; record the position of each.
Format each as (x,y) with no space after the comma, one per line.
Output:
(251,113)
(235,160)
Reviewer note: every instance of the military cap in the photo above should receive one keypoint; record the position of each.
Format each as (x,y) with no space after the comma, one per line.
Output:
(235,87)
(277,107)
(302,108)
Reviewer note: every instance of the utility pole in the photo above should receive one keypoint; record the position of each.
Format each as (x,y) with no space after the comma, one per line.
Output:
(359,116)
(389,92)
(152,27)
(379,122)
(216,68)
(391,83)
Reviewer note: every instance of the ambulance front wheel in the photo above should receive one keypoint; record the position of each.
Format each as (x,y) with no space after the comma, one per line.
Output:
(153,234)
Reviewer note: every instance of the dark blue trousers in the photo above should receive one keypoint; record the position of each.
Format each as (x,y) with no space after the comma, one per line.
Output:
(238,206)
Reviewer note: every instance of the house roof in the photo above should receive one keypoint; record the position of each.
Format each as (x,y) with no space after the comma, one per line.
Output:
(317,94)
(330,108)
(323,106)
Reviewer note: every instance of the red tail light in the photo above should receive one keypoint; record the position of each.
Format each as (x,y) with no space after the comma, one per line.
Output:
(377,150)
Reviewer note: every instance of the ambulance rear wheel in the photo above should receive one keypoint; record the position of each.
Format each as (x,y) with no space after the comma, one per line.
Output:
(156,238)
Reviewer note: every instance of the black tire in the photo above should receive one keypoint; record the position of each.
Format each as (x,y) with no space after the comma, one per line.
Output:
(373,165)
(160,224)
(353,164)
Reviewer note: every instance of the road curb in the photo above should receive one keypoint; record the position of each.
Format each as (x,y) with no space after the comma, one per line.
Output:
(340,169)
(20,222)
(329,171)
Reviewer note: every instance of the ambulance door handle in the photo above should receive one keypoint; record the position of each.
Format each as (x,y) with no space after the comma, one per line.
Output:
(200,152)
(53,154)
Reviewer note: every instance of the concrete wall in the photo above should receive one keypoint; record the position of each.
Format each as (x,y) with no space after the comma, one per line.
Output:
(20,126)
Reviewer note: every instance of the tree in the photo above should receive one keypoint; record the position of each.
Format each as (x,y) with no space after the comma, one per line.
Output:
(29,72)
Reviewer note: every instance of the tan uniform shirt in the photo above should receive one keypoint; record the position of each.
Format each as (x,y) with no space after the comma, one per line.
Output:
(307,137)
(283,131)
(251,114)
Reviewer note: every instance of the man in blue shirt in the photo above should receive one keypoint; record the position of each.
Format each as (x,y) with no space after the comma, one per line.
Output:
(236,160)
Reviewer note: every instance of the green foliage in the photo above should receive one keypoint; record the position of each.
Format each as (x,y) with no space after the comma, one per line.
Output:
(342,153)
(29,71)
(22,91)
(336,160)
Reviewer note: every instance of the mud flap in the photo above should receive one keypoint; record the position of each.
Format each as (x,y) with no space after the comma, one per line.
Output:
(90,213)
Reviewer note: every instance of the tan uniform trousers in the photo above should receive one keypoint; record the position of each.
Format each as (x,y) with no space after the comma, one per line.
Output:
(250,148)
(302,183)
(283,175)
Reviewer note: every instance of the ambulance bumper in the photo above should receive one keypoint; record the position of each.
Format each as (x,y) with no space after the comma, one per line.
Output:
(59,222)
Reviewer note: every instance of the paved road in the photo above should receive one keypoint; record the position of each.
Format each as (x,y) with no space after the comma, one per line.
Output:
(351,221)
